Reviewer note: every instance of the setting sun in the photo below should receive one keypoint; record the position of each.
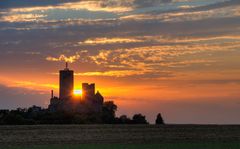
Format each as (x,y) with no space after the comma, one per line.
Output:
(77,92)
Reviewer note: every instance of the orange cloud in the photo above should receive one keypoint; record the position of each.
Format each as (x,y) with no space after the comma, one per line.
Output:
(105,40)
(179,16)
(116,73)
(31,85)
(22,17)
(90,5)
(64,58)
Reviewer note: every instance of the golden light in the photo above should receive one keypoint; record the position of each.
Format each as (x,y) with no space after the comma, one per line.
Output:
(77,92)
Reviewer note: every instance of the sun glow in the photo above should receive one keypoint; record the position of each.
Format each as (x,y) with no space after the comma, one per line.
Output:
(77,92)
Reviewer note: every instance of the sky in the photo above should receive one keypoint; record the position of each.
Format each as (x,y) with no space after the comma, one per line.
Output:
(180,58)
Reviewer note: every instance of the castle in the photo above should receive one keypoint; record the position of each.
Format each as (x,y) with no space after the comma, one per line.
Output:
(67,102)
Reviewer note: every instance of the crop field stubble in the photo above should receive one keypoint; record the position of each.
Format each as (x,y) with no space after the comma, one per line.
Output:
(120,136)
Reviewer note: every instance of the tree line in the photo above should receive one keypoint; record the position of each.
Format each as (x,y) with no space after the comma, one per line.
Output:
(37,115)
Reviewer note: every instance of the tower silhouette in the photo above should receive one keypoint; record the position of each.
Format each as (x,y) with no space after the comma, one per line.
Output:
(66,83)
(88,102)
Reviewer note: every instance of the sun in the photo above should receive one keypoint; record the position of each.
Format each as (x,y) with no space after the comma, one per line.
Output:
(77,92)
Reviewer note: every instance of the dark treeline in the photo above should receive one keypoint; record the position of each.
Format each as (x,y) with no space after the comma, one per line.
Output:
(37,115)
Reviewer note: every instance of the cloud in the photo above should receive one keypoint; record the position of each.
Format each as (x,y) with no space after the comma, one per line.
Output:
(122,73)
(159,39)
(149,3)
(28,85)
(149,60)
(6,4)
(26,11)
(14,97)
(22,18)
(64,58)
(222,4)
(186,7)
(90,5)
(178,16)
(93,5)
(105,40)
(33,85)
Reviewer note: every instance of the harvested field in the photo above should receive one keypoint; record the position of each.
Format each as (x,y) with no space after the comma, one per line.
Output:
(117,134)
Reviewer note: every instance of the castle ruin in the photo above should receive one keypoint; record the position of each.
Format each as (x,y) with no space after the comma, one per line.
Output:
(90,101)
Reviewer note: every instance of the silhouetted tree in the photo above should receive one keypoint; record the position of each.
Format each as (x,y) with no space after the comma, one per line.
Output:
(38,115)
(3,113)
(139,119)
(159,119)
(13,119)
(108,112)
(123,119)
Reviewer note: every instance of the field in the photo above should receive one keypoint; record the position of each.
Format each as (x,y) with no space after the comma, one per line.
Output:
(120,137)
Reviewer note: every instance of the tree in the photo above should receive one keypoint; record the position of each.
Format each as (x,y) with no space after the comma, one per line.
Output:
(139,119)
(108,112)
(159,119)
(123,119)
(13,119)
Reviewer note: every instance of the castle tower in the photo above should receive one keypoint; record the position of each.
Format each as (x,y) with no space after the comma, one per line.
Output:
(88,91)
(66,83)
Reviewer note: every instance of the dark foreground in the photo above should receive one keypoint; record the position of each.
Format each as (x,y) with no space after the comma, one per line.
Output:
(120,136)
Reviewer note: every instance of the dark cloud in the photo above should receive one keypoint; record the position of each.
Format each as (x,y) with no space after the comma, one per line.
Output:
(13,97)
(217,5)
(31,3)
(149,3)
(134,4)
(103,3)
(109,3)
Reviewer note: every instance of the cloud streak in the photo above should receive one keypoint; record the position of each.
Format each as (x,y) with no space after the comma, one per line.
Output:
(64,58)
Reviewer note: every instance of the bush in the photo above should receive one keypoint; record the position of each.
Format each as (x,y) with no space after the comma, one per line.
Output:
(139,119)
(123,119)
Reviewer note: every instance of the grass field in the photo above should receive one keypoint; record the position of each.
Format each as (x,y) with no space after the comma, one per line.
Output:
(120,137)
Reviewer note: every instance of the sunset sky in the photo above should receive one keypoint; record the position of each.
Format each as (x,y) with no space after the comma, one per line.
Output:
(177,57)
